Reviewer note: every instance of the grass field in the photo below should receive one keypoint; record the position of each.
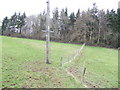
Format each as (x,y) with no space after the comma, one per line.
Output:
(23,65)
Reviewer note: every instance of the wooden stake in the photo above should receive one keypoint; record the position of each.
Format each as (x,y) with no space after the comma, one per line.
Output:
(61,61)
(83,72)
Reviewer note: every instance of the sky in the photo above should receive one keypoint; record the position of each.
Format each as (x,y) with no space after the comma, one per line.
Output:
(34,7)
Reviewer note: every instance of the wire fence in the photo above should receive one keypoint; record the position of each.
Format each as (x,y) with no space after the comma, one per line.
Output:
(92,79)
(72,57)
(88,78)
(98,81)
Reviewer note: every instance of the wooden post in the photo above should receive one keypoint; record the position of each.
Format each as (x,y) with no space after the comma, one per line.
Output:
(47,45)
(48,35)
(83,72)
(61,61)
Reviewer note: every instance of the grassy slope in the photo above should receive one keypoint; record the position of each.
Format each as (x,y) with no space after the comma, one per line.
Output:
(23,63)
(101,63)
(0,62)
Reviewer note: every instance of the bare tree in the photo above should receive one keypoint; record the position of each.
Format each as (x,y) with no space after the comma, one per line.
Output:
(102,24)
(55,24)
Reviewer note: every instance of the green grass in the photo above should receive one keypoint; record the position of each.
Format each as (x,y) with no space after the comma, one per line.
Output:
(101,63)
(23,64)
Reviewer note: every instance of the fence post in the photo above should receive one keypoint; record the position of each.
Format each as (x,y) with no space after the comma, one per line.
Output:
(61,61)
(83,73)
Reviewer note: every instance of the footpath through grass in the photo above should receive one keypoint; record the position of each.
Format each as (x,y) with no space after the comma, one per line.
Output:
(23,64)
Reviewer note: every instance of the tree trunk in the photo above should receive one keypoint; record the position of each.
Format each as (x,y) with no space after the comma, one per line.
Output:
(2,32)
(84,36)
(20,31)
(98,41)
(91,36)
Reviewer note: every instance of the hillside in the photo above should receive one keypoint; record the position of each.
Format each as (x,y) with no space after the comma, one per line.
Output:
(23,65)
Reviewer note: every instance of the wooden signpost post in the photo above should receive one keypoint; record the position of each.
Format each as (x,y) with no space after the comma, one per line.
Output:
(47,31)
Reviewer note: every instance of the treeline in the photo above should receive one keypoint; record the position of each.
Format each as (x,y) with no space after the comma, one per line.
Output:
(93,27)
(14,24)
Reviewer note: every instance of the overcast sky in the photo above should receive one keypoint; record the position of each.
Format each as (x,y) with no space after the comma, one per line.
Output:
(8,7)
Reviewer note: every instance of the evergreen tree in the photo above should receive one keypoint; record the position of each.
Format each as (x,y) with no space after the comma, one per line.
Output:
(118,20)
(24,15)
(66,12)
(20,21)
(13,22)
(118,23)
(72,19)
(78,14)
(4,24)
